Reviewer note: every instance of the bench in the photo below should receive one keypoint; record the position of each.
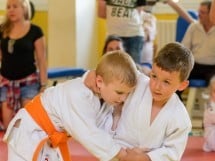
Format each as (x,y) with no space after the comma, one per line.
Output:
(64,72)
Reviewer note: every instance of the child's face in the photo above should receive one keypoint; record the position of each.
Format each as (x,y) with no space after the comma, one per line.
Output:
(163,84)
(114,45)
(113,93)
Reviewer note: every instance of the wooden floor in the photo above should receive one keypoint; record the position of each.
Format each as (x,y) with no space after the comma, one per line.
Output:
(193,151)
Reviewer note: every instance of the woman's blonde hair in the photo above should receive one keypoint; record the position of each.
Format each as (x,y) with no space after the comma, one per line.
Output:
(6,26)
(117,65)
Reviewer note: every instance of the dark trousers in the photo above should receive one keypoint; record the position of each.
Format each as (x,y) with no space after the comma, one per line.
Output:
(201,71)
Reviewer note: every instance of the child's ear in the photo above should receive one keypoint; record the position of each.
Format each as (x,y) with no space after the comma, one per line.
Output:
(183,85)
(99,81)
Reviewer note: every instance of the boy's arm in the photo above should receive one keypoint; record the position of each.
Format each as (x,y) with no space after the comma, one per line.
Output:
(101,8)
(212,12)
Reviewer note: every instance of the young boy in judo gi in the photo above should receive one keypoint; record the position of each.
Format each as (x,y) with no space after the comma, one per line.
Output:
(160,121)
(154,123)
(39,131)
(209,119)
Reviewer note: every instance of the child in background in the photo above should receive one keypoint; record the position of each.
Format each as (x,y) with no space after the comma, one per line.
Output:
(113,42)
(70,108)
(209,119)
(149,26)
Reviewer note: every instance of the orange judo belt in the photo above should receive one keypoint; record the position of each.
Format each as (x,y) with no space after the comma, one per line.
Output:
(56,138)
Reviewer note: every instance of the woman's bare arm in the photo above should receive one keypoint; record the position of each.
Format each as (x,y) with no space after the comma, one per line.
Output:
(101,8)
(183,13)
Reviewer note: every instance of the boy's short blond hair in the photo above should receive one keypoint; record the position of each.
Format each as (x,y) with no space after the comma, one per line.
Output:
(175,57)
(117,65)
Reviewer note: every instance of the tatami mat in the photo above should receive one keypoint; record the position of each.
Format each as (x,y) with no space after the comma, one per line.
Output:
(78,153)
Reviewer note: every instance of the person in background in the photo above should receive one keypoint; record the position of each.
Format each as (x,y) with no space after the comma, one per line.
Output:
(200,39)
(209,119)
(23,52)
(70,109)
(175,6)
(180,10)
(123,19)
(113,42)
(149,26)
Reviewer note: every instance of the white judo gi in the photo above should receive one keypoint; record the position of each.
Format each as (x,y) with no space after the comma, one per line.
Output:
(72,107)
(166,137)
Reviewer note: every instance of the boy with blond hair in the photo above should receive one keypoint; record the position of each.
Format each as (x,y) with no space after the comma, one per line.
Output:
(70,109)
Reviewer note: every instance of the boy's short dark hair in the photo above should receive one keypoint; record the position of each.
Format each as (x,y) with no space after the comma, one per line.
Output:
(175,57)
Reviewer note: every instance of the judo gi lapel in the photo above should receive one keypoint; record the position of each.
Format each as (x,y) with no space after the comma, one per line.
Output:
(144,115)
(158,127)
